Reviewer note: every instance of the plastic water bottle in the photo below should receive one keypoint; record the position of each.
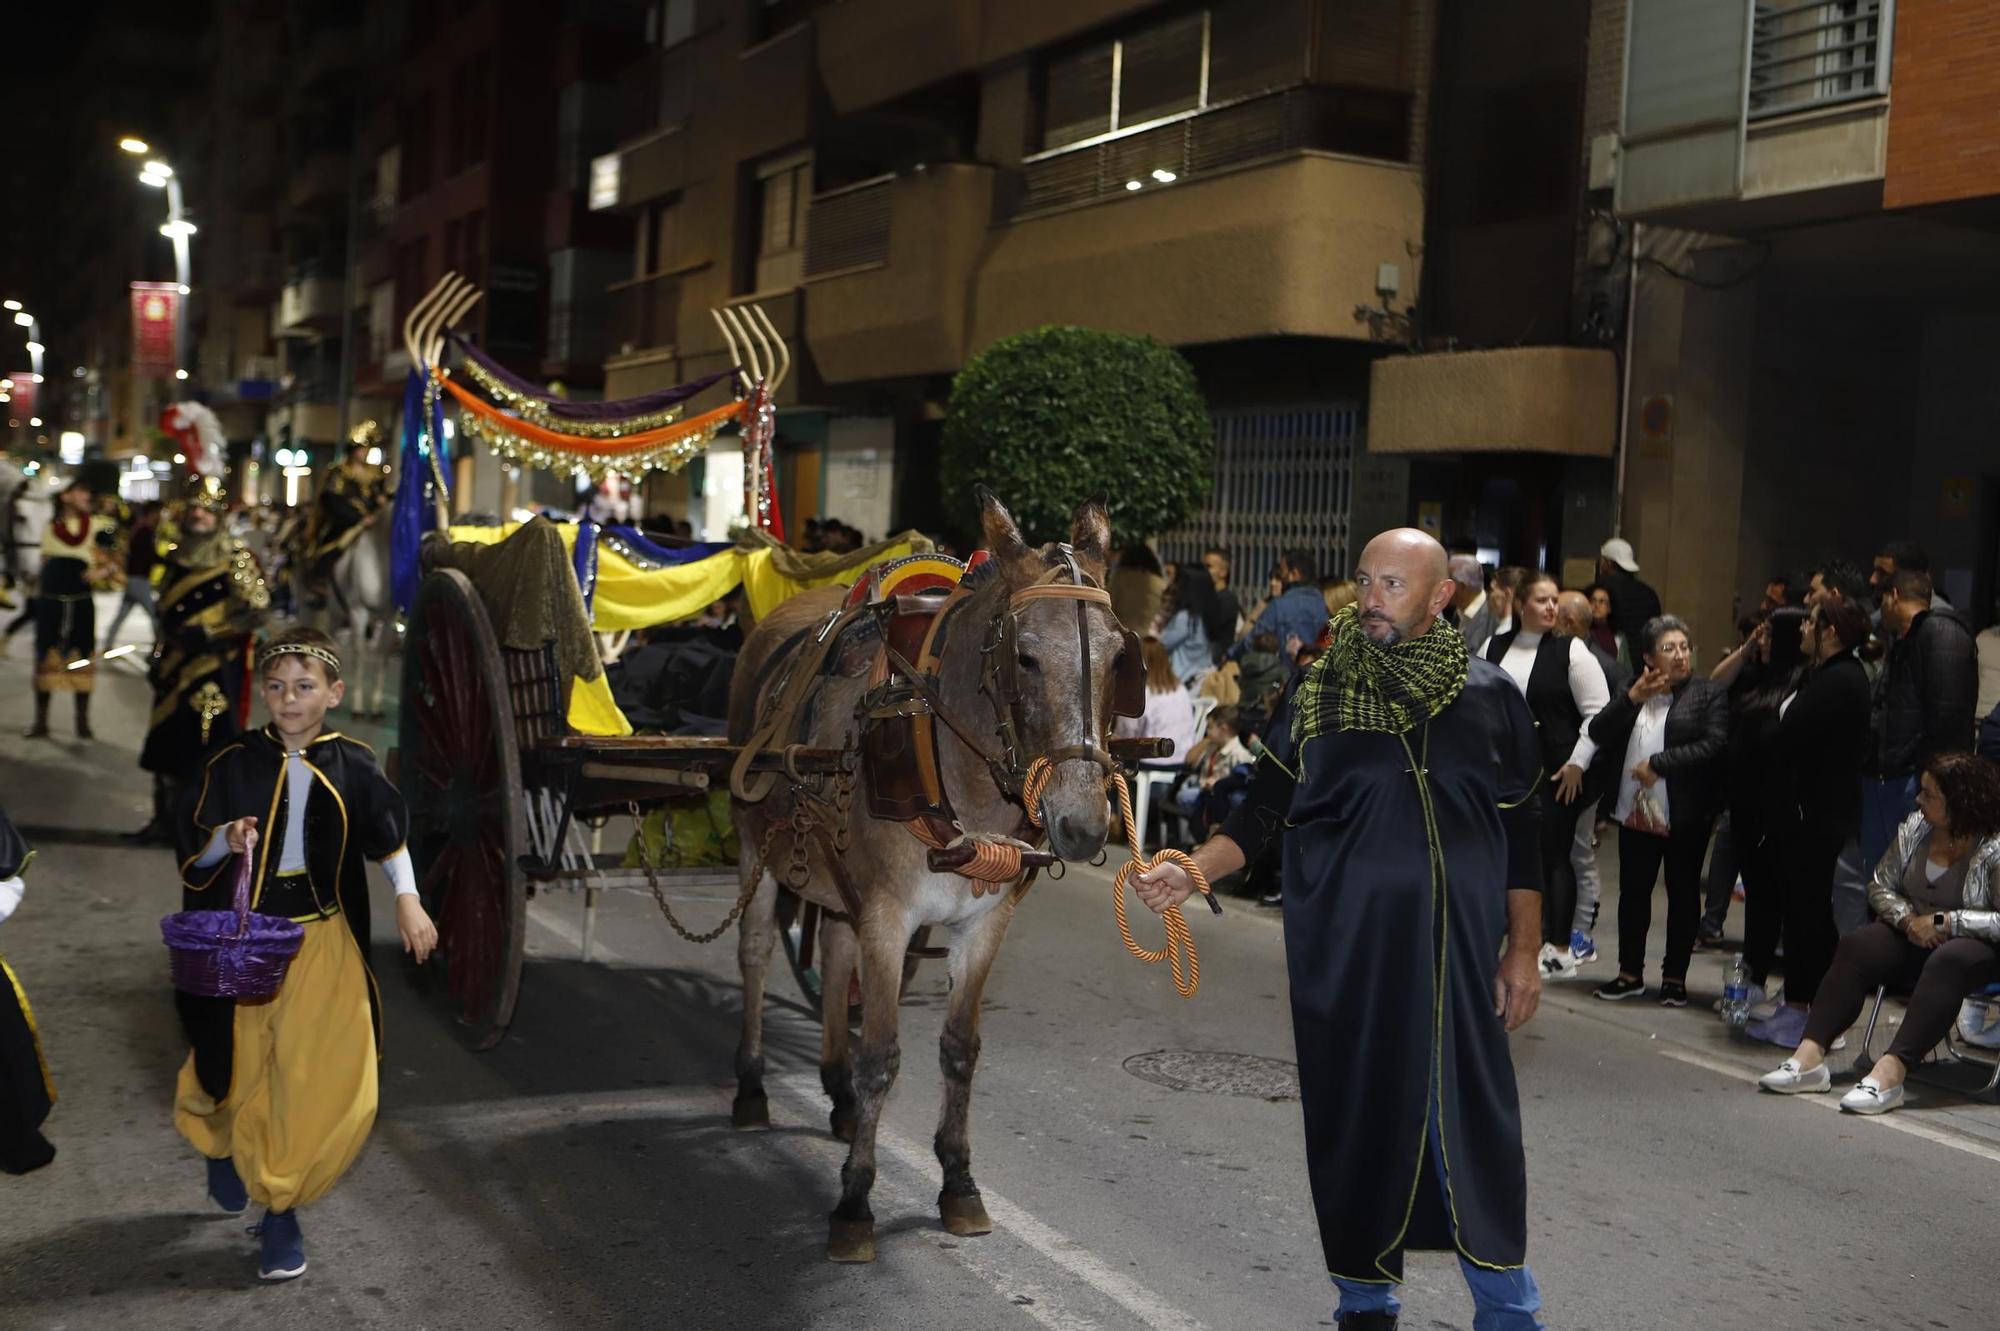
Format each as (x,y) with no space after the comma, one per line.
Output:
(1736,993)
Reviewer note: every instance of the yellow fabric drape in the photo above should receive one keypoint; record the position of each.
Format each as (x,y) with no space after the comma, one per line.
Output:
(630,597)
(593,711)
(627,597)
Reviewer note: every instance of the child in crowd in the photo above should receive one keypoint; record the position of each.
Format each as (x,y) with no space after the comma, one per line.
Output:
(280,1094)
(1220,753)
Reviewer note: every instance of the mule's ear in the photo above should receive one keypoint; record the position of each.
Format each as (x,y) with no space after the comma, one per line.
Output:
(1090,532)
(1003,537)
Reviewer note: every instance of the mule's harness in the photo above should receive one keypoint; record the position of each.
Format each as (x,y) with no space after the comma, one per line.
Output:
(992,861)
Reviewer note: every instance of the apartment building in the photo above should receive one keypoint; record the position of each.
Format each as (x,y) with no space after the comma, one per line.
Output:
(900,184)
(1812,190)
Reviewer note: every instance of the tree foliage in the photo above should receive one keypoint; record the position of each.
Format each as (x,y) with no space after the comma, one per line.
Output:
(1051,417)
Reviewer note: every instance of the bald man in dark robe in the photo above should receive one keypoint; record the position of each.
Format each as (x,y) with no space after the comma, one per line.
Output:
(1400,774)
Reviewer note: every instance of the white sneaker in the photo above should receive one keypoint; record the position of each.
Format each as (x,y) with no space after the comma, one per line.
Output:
(1979,1023)
(1791,1079)
(1558,965)
(1869,1098)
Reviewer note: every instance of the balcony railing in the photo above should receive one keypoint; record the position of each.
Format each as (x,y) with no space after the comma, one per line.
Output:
(1817,53)
(645,313)
(848,228)
(1360,121)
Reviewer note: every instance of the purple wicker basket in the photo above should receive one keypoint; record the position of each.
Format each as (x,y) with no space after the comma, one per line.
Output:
(233,953)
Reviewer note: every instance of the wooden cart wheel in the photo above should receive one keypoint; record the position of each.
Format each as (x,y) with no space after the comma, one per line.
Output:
(798,930)
(461,775)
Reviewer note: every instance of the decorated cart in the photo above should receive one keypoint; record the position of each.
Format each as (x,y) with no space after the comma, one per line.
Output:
(511,744)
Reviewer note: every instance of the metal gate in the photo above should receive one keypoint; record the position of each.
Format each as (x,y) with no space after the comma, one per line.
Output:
(1284,480)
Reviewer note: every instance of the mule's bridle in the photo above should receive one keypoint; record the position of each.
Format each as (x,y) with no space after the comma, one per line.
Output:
(1000,677)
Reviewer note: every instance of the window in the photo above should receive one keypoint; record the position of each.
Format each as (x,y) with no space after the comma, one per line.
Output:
(478,108)
(1198,60)
(475,246)
(669,22)
(780,194)
(768,18)
(467,113)
(659,239)
(416,166)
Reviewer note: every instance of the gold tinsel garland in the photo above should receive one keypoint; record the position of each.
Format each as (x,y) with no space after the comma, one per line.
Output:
(536,412)
(670,456)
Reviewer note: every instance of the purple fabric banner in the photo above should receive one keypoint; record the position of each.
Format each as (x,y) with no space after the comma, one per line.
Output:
(587,411)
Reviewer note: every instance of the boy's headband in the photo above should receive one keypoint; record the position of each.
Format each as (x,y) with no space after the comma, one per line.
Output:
(277,650)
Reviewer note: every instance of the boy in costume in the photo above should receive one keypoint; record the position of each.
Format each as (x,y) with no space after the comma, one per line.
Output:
(280,1095)
(26,1092)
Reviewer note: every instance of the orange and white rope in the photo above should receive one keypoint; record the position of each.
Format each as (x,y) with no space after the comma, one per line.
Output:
(1179,953)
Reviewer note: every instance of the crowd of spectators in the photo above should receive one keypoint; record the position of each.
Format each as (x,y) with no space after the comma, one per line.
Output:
(1824,772)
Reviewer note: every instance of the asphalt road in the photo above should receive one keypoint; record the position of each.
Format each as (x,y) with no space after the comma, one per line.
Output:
(584,1174)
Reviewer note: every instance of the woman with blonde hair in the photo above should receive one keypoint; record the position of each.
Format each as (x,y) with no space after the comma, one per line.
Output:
(1339,593)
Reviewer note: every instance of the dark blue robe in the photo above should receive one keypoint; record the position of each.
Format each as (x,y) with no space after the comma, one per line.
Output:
(1392,969)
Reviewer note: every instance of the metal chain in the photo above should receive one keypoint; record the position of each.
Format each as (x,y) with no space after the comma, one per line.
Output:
(742,900)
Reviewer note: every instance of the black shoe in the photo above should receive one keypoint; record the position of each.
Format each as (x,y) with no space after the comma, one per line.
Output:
(35,732)
(1618,987)
(1708,938)
(1368,1322)
(1673,993)
(1275,900)
(83,730)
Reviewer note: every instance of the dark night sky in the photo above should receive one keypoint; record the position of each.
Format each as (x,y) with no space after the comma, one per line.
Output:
(80,73)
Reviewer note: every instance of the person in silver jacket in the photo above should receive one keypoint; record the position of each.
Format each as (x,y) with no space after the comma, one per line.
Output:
(1937,930)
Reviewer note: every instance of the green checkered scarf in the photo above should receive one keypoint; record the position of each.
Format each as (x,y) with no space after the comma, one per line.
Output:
(1360,685)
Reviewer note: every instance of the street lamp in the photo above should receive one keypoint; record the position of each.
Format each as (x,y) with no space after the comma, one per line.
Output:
(158,175)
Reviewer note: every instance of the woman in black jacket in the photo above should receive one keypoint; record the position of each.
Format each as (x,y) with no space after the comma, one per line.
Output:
(1759,676)
(1660,748)
(1822,739)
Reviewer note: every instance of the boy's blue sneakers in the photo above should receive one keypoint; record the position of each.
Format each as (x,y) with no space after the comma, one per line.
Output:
(225,1189)
(1581,947)
(281,1253)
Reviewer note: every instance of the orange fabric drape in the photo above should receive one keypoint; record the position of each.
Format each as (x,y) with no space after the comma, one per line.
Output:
(601,448)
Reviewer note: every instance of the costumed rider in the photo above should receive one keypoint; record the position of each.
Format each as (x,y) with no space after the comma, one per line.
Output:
(78,556)
(213,598)
(26,1091)
(354,493)
(279,1095)
(1401,775)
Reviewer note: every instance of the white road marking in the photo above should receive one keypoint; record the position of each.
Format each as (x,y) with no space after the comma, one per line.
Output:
(1152,1310)
(1828,1100)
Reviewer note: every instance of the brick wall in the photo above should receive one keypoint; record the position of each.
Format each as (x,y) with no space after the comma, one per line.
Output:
(1944,122)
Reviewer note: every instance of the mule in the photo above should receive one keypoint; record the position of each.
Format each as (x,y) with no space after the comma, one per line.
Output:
(1064,656)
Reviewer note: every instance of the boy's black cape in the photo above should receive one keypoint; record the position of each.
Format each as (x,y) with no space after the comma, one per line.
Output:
(353,815)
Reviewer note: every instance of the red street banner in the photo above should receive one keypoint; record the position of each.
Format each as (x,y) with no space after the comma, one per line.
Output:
(154,349)
(22,395)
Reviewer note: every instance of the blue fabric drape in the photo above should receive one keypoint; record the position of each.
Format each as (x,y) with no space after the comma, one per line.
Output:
(413,514)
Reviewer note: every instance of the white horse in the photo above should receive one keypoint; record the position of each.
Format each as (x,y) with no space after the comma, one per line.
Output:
(361,595)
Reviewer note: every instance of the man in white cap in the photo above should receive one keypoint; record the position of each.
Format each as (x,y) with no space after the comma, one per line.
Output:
(1632,601)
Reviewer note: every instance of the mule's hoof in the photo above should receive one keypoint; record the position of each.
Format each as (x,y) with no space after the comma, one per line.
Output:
(842,1122)
(750,1111)
(964,1216)
(850,1240)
